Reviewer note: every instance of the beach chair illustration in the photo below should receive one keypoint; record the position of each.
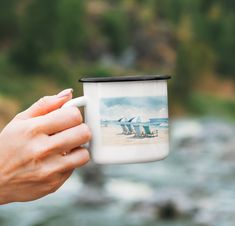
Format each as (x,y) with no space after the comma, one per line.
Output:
(129,126)
(138,131)
(122,122)
(148,132)
(136,122)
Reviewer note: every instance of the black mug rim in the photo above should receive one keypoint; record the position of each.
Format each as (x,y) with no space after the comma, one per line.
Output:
(125,78)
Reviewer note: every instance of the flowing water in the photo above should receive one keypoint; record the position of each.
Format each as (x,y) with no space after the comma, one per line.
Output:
(194,186)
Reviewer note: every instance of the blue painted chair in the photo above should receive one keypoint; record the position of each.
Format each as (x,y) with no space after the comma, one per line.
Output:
(148,132)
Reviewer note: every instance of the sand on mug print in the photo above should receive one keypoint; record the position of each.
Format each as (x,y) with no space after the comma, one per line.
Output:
(112,135)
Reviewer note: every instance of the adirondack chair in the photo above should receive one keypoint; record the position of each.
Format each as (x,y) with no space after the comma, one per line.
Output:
(148,132)
(138,131)
(123,125)
(129,126)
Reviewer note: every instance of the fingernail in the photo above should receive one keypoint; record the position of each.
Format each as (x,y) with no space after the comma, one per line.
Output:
(65,93)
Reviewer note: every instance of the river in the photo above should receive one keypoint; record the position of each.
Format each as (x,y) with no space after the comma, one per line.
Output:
(194,186)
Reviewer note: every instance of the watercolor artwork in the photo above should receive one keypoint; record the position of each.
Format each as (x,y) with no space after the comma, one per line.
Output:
(134,120)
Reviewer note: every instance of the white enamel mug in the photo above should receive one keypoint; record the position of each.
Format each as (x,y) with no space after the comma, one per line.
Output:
(128,118)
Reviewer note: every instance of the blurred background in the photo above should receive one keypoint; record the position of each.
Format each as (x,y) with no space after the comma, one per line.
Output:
(46,46)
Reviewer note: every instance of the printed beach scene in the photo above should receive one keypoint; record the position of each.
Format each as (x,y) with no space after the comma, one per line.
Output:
(134,120)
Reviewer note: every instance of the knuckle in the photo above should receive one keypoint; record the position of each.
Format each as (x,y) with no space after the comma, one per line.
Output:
(83,161)
(36,155)
(35,149)
(86,156)
(86,135)
(39,151)
(47,175)
(76,115)
(33,128)
(83,158)
(41,176)
(52,146)
(44,174)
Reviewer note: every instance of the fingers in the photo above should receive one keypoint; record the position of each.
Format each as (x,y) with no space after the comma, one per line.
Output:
(59,120)
(46,105)
(70,138)
(77,158)
(62,167)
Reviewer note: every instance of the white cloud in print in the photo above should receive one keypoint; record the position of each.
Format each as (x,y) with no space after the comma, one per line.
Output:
(132,107)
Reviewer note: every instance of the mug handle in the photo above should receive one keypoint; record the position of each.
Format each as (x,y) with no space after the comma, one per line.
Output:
(77,102)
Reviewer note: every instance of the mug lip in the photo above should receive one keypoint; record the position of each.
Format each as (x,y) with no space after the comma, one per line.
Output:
(125,78)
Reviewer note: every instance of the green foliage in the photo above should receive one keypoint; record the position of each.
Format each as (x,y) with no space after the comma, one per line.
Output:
(169,9)
(37,33)
(71,29)
(61,40)
(97,71)
(218,32)
(46,27)
(8,19)
(115,27)
(190,63)
(226,46)
(210,105)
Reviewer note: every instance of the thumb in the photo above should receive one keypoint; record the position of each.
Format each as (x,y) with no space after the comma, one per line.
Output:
(46,104)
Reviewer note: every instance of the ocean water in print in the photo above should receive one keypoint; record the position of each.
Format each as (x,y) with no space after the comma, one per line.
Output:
(134,120)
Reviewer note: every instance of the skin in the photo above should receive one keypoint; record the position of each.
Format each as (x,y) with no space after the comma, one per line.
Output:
(32,147)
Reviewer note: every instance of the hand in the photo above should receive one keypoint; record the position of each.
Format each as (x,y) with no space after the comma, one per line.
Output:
(40,148)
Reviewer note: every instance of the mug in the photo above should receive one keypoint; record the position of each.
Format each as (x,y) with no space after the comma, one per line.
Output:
(128,118)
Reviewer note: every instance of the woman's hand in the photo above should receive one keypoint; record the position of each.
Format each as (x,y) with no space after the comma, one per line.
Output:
(40,148)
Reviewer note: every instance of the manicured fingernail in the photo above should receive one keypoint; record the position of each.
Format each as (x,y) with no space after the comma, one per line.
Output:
(65,93)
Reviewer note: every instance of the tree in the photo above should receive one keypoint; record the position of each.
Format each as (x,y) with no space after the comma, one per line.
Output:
(47,27)
(8,19)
